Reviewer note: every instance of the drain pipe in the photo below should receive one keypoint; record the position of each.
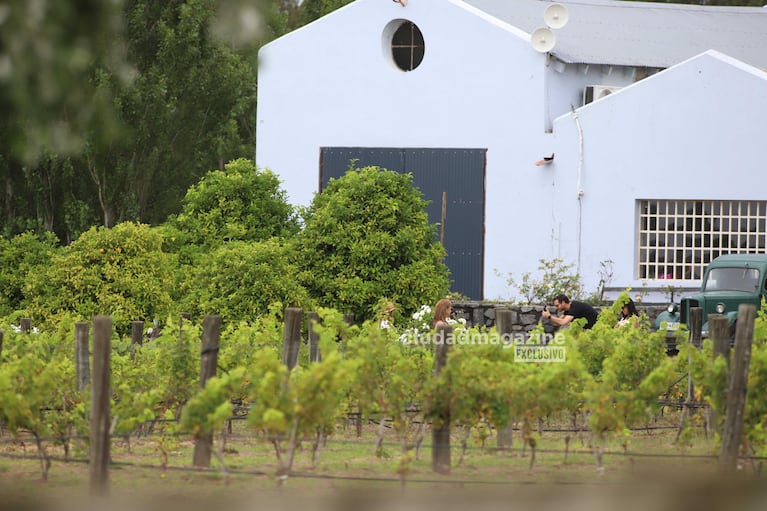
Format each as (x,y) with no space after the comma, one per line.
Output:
(574,115)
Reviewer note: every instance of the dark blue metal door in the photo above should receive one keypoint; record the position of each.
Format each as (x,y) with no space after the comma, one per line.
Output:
(458,175)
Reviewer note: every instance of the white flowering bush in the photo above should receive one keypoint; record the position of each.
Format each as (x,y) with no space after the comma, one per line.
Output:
(419,327)
(17,329)
(422,324)
(457,323)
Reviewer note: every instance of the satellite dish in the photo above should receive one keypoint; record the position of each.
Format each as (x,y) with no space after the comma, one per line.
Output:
(556,16)
(543,39)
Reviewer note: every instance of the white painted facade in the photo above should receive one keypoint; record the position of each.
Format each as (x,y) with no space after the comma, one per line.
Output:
(694,130)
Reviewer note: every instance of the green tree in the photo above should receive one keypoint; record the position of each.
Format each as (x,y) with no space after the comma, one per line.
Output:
(47,95)
(314,9)
(21,256)
(241,280)
(240,203)
(367,235)
(555,277)
(50,100)
(190,107)
(111,110)
(121,272)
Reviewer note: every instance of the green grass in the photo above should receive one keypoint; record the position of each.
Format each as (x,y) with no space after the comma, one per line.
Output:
(348,463)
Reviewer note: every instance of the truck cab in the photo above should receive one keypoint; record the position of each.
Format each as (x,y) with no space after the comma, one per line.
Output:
(729,280)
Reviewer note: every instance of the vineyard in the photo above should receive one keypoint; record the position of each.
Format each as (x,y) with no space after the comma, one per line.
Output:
(362,408)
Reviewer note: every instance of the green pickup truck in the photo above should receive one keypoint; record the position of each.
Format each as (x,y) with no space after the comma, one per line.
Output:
(729,281)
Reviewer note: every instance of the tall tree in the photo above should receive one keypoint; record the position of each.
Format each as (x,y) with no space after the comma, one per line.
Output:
(367,236)
(239,203)
(73,73)
(190,108)
(315,9)
(48,50)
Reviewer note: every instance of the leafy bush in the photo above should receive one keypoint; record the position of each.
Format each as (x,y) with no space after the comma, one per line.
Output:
(555,277)
(19,256)
(241,203)
(121,272)
(367,236)
(240,280)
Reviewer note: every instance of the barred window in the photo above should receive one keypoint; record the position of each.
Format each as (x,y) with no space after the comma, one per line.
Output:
(678,238)
(407,46)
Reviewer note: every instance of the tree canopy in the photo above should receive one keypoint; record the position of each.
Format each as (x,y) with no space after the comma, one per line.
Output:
(367,236)
(239,203)
(111,110)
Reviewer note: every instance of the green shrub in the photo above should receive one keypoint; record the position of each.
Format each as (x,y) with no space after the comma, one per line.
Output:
(21,255)
(240,280)
(367,236)
(554,277)
(240,203)
(120,272)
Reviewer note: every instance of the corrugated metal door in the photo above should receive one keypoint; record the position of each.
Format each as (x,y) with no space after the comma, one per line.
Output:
(459,174)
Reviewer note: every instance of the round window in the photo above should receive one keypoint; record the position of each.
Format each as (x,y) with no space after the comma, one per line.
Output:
(407,47)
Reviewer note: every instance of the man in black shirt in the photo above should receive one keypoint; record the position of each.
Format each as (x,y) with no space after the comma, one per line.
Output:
(572,310)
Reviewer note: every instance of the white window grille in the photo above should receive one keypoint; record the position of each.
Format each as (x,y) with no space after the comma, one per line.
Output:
(678,238)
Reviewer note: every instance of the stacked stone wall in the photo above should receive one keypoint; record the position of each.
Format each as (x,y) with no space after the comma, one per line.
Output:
(524,318)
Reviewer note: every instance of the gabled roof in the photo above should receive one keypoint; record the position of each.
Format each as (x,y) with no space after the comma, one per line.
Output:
(627,33)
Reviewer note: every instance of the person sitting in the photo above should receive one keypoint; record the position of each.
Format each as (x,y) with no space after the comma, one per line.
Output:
(628,315)
(386,317)
(571,310)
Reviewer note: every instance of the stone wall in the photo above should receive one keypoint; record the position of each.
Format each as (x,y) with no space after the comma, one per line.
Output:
(523,317)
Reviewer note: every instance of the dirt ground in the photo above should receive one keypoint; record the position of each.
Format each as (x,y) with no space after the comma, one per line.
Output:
(647,471)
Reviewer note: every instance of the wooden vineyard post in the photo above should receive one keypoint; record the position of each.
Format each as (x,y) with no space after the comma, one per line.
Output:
(100,410)
(696,323)
(136,336)
(291,338)
(440,433)
(503,323)
(312,318)
(349,321)
(82,353)
(738,385)
(719,331)
(211,336)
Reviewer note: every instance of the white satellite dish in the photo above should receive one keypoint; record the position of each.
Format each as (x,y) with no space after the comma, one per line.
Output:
(556,16)
(543,39)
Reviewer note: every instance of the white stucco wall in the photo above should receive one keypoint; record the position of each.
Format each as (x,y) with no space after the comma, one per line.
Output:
(565,84)
(481,85)
(693,131)
(330,84)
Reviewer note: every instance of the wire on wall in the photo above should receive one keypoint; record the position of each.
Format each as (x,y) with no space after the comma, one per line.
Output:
(574,115)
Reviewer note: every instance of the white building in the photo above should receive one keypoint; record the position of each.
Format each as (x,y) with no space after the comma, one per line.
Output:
(659,176)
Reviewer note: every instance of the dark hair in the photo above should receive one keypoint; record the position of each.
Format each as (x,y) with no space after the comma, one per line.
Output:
(561,298)
(631,307)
